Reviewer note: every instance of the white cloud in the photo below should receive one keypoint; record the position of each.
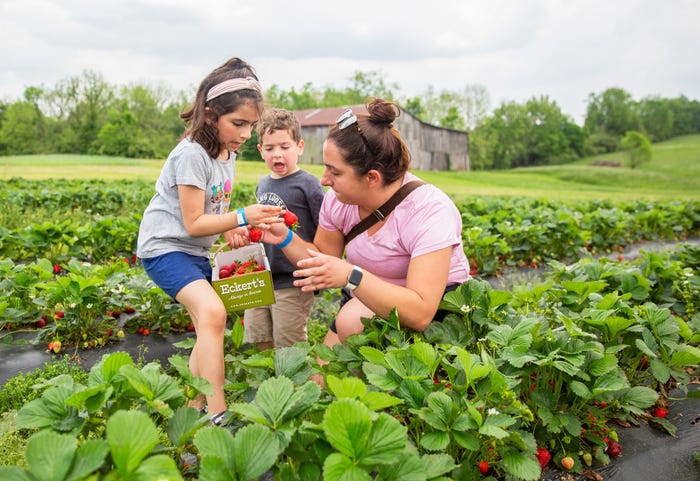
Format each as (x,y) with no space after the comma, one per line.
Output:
(517,50)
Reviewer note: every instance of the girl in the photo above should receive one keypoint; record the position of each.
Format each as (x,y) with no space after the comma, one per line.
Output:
(406,260)
(190,209)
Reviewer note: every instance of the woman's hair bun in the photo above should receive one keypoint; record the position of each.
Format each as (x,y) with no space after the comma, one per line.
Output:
(381,111)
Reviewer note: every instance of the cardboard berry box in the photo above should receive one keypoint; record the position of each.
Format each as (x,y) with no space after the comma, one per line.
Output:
(246,290)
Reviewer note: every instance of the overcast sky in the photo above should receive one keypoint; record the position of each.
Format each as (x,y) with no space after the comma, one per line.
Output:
(516,49)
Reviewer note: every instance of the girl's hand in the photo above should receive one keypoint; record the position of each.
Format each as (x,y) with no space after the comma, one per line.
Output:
(237,237)
(321,271)
(262,214)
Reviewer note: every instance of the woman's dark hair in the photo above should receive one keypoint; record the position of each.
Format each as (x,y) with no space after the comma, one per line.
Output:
(205,133)
(373,142)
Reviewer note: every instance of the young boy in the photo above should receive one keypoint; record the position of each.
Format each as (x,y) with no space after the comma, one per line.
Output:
(280,144)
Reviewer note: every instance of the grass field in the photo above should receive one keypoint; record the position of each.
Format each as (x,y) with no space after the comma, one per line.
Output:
(673,173)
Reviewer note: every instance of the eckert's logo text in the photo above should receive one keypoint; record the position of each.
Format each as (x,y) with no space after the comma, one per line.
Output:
(242,286)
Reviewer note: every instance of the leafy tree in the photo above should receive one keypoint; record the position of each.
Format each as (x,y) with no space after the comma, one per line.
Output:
(463,109)
(638,148)
(656,118)
(686,115)
(611,113)
(23,128)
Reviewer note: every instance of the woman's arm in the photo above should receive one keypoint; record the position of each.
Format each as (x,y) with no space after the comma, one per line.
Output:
(199,224)
(416,303)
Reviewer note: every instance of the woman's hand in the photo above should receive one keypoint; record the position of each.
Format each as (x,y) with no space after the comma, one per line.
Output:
(259,215)
(321,271)
(275,233)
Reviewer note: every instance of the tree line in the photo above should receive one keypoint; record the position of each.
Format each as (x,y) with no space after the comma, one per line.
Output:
(85,114)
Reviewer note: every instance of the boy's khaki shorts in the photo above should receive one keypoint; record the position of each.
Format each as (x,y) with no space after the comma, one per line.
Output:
(283,322)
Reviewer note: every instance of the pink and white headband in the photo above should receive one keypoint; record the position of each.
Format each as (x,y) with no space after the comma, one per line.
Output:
(232,85)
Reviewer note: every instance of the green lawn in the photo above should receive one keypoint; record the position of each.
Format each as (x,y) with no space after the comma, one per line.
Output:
(673,173)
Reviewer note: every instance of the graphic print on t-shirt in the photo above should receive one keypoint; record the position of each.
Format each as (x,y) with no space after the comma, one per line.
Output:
(270,198)
(220,198)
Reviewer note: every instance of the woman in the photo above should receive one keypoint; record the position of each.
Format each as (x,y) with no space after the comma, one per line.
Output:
(406,260)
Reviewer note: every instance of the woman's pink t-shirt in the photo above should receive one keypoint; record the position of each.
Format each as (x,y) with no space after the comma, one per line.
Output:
(425,221)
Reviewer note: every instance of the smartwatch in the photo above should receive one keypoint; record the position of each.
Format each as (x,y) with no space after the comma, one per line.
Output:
(354,279)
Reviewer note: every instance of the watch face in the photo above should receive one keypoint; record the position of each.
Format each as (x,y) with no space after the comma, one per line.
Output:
(355,276)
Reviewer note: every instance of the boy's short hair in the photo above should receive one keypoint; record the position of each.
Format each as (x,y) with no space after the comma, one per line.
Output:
(279,119)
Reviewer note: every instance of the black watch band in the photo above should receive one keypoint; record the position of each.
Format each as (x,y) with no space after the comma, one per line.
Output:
(354,278)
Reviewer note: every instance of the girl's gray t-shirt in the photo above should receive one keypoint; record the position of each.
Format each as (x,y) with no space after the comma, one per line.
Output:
(162,228)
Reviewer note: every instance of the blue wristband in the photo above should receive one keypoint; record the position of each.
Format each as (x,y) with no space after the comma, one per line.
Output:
(285,243)
(240,213)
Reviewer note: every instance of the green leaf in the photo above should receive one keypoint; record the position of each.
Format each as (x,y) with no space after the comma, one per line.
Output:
(159,467)
(379,376)
(214,468)
(609,382)
(291,362)
(412,393)
(347,424)
(640,396)
(424,352)
(349,387)
(521,465)
(435,441)
(437,465)
(580,389)
(386,441)
(216,445)
(467,440)
(89,457)
(377,401)
(661,371)
(373,355)
(250,412)
(183,424)
(131,436)
(254,451)
(14,473)
(686,356)
(408,467)
(50,455)
(338,467)
(601,366)
(273,397)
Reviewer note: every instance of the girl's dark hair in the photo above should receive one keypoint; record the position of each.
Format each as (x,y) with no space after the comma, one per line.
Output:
(205,133)
(373,142)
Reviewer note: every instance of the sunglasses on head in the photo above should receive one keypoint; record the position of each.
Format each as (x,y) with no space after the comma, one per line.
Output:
(347,119)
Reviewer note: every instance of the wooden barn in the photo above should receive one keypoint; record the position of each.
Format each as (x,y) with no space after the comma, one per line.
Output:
(431,147)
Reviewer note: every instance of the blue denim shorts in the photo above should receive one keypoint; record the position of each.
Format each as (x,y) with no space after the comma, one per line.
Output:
(174,270)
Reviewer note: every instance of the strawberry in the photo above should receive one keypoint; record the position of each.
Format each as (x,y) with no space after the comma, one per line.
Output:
(614,449)
(241,270)
(567,462)
(56,346)
(41,322)
(660,412)
(255,234)
(291,220)
(543,456)
(140,330)
(588,459)
(146,332)
(59,315)
(129,310)
(190,327)
(224,272)
(56,268)
(483,467)
(109,333)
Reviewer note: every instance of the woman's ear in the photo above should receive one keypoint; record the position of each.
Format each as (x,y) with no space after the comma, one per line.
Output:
(374,178)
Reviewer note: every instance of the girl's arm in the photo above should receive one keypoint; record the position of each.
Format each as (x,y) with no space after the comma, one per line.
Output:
(199,224)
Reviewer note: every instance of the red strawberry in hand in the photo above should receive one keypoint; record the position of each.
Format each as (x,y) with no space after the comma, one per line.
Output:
(255,234)
(291,220)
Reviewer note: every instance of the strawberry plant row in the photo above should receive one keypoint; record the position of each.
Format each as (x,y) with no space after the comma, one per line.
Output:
(509,384)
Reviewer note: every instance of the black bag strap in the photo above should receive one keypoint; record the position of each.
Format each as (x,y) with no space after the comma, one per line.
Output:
(384,210)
